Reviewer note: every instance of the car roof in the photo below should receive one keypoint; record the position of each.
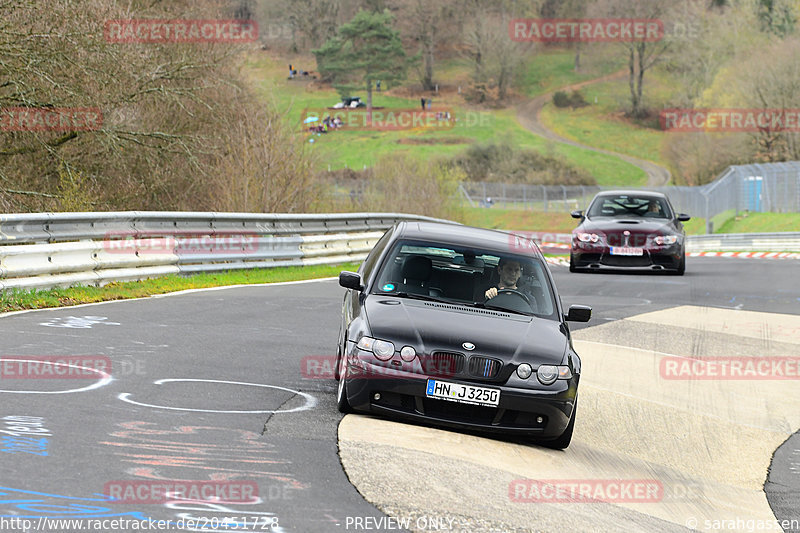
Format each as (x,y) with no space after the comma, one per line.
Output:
(459,235)
(631,193)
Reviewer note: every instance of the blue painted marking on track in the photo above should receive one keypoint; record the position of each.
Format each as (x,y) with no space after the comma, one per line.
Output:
(48,505)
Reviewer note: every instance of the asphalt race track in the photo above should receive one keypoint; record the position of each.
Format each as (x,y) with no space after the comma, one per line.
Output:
(230,387)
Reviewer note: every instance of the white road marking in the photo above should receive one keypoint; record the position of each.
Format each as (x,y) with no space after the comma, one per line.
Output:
(310,402)
(105,379)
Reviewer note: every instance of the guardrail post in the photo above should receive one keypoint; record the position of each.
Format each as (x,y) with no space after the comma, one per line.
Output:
(544,195)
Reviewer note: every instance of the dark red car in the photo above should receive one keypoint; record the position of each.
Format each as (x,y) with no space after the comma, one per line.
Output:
(629,229)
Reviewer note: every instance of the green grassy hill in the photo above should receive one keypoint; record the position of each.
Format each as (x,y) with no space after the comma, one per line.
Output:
(359,149)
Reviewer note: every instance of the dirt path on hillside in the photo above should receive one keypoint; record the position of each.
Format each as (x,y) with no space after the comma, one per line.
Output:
(528,116)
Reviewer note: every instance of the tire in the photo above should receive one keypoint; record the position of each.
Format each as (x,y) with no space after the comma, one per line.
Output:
(562,442)
(681,266)
(336,375)
(341,394)
(572,267)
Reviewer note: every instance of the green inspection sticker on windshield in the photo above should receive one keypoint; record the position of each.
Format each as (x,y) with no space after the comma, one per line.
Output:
(389,287)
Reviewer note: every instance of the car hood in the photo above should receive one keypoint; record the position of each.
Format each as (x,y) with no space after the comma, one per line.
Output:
(633,224)
(433,326)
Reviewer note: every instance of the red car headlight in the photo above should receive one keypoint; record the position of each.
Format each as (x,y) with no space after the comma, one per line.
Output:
(588,237)
(665,239)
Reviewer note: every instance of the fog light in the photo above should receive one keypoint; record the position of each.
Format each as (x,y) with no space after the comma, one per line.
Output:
(524,370)
(539,419)
(408,354)
(376,396)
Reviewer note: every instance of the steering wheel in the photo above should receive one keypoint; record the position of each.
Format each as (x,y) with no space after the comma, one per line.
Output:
(514,291)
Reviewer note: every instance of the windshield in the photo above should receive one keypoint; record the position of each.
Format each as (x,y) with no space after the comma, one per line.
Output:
(462,276)
(626,206)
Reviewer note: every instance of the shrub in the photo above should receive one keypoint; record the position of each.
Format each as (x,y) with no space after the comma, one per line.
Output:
(561,99)
(503,162)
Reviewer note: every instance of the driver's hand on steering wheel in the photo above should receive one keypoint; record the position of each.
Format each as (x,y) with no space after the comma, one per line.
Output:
(491,293)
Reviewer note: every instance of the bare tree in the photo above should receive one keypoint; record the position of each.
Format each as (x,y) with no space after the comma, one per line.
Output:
(641,55)
(569,9)
(166,108)
(495,58)
(773,83)
(429,24)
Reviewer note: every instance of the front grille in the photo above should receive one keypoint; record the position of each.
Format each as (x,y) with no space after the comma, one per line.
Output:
(483,367)
(443,364)
(459,412)
(627,260)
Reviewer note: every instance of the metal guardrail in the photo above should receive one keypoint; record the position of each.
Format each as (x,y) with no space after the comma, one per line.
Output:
(42,250)
(744,242)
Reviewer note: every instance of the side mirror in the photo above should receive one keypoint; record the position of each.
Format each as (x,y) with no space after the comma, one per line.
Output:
(684,217)
(576,214)
(578,313)
(350,280)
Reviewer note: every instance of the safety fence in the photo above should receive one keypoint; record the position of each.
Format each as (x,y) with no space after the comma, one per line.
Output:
(769,187)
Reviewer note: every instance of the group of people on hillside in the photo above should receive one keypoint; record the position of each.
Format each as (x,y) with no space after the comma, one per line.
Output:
(295,72)
(328,123)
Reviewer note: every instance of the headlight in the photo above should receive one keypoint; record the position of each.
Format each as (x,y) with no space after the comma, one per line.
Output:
(666,239)
(524,370)
(548,374)
(588,237)
(383,350)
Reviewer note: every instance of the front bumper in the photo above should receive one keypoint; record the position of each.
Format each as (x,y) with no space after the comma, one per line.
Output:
(600,257)
(521,412)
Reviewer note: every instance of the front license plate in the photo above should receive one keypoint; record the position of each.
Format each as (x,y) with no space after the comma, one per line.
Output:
(456,392)
(625,250)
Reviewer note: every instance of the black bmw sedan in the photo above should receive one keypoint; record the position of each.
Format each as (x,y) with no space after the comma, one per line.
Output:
(629,229)
(459,327)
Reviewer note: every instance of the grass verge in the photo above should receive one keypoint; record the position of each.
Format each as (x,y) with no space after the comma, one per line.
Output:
(20,299)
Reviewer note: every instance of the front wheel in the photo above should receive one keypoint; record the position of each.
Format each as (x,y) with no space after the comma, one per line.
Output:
(681,266)
(572,264)
(341,391)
